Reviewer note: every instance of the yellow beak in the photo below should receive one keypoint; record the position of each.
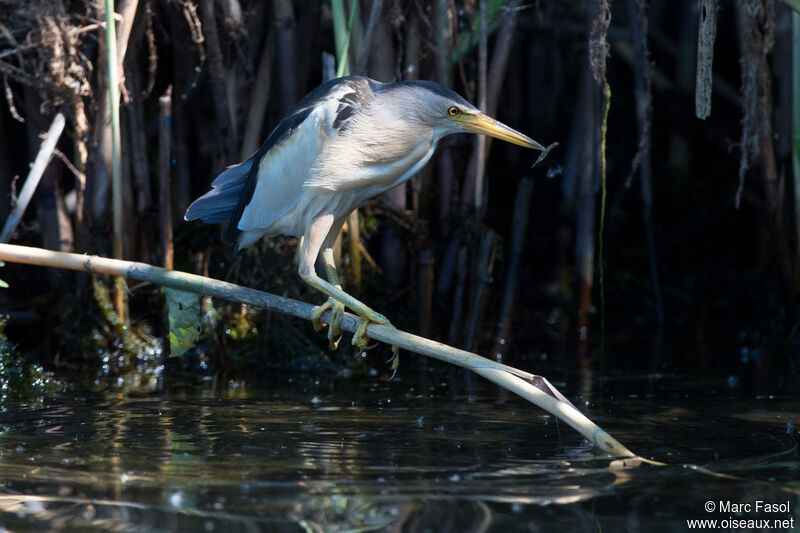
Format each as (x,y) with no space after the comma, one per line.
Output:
(480,123)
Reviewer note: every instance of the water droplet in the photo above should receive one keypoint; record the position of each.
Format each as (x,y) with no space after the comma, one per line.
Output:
(176,500)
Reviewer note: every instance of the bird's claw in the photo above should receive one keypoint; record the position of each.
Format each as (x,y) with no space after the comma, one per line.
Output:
(360,338)
(317,314)
(337,313)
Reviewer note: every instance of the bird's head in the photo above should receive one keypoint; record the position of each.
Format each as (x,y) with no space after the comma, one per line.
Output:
(447,112)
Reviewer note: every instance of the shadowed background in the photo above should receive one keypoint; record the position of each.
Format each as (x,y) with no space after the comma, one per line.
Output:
(479,250)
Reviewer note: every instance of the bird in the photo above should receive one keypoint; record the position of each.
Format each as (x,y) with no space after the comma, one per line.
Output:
(346,141)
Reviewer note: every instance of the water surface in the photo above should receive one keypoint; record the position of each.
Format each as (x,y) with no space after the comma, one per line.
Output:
(294,455)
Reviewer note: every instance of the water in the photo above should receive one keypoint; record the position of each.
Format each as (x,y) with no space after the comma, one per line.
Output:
(361,456)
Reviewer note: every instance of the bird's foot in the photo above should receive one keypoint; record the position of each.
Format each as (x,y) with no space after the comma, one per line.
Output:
(334,330)
(360,338)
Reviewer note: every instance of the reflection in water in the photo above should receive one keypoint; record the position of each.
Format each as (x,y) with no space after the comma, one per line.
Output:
(386,459)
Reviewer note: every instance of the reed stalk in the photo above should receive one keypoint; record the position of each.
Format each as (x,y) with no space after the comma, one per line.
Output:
(706,35)
(602,226)
(259,98)
(164,178)
(342,36)
(519,227)
(34,176)
(112,64)
(485,266)
(480,140)
(217,76)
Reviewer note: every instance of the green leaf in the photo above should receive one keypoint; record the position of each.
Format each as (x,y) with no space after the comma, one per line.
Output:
(794,4)
(3,284)
(184,320)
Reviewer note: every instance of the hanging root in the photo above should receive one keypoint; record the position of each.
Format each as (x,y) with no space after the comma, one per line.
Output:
(598,46)
(395,360)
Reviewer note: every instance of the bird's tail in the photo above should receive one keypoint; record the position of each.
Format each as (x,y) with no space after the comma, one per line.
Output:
(219,204)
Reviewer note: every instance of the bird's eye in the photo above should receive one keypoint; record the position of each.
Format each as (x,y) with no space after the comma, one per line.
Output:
(453,111)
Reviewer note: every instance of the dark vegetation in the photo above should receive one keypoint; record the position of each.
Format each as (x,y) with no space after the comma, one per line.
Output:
(701,259)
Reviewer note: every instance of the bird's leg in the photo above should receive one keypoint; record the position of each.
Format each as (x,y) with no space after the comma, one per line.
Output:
(312,242)
(336,307)
(365,313)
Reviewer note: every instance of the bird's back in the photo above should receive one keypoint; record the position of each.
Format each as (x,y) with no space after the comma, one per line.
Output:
(259,191)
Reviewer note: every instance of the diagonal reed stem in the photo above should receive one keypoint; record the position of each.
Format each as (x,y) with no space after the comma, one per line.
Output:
(535,389)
